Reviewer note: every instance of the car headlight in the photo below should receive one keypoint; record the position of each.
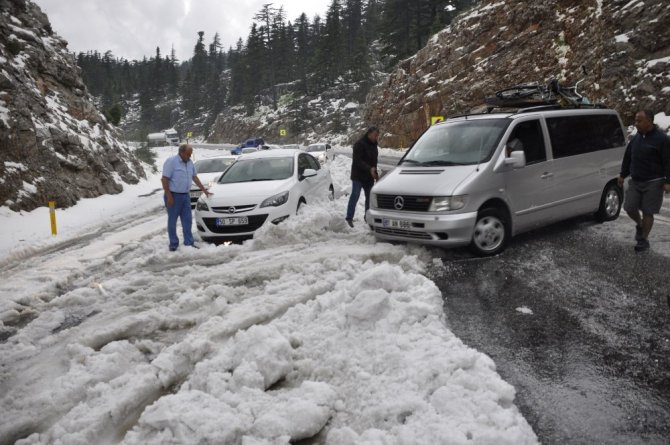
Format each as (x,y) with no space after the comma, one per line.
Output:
(446,203)
(276,200)
(202,206)
(373,200)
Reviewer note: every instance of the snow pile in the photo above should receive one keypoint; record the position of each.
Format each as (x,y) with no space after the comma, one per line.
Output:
(311,330)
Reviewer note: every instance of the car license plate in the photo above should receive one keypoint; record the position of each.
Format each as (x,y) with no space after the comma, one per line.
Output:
(396,224)
(237,221)
(196,194)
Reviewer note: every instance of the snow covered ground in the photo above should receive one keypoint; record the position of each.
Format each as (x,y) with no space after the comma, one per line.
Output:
(311,329)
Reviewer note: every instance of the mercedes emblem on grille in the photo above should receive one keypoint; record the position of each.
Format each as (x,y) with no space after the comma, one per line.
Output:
(231,209)
(399,202)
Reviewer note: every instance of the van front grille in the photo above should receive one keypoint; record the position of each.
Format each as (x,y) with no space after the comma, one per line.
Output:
(403,233)
(404,203)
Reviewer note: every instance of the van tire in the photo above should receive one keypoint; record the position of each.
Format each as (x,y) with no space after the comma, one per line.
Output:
(491,232)
(610,203)
(300,203)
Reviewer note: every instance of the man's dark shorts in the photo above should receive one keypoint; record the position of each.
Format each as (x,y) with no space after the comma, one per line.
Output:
(644,196)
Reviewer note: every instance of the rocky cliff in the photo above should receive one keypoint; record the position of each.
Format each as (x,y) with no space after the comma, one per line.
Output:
(54,143)
(624,44)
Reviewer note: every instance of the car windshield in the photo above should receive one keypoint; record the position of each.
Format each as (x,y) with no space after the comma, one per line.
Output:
(315,148)
(213,165)
(171,134)
(465,142)
(267,169)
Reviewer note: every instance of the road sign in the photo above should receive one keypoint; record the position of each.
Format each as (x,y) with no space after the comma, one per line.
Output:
(189,134)
(282,132)
(435,119)
(52,216)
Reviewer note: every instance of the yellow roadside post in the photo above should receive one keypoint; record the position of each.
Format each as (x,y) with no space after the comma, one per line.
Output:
(52,215)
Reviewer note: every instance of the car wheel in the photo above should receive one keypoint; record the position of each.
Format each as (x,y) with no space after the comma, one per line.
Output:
(331,193)
(491,232)
(610,203)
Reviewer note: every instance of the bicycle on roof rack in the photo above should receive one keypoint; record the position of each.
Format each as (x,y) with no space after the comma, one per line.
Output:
(535,94)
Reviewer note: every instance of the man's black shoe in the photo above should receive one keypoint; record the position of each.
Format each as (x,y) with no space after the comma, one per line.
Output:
(638,233)
(350,222)
(642,245)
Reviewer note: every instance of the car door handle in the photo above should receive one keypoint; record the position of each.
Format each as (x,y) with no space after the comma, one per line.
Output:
(547,175)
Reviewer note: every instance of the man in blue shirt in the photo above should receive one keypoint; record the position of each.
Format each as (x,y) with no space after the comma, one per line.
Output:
(647,162)
(178,172)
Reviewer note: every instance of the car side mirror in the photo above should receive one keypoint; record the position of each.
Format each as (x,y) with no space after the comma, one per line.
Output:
(308,173)
(516,159)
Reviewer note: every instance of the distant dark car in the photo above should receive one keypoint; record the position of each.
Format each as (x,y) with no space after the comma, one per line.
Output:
(253,142)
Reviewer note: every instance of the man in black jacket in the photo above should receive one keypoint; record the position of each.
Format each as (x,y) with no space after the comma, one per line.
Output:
(647,161)
(363,171)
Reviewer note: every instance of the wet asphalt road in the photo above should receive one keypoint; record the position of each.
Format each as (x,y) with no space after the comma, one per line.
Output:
(591,365)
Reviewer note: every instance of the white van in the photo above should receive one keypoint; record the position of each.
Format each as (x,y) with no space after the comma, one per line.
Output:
(478,180)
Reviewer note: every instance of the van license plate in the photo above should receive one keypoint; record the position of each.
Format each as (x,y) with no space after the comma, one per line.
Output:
(396,224)
(239,221)
(196,194)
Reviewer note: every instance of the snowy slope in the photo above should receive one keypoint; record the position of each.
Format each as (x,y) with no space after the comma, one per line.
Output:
(310,329)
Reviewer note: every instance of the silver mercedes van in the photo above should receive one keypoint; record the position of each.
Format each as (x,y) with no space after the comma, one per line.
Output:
(480,179)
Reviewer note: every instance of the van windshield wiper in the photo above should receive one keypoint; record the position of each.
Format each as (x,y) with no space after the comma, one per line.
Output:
(440,163)
(410,161)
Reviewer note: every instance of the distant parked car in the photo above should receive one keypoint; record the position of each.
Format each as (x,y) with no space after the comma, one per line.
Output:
(320,152)
(209,170)
(260,188)
(253,142)
(292,147)
(248,150)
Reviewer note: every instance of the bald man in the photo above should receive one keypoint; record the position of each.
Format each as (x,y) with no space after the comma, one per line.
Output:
(178,172)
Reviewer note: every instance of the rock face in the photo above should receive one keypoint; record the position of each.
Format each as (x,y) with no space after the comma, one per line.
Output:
(624,44)
(329,117)
(54,143)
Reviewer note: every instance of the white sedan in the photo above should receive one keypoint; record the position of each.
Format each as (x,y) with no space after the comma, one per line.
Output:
(322,152)
(261,188)
(209,170)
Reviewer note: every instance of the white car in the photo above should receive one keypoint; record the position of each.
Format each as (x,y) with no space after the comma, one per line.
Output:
(261,188)
(320,152)
(209,170)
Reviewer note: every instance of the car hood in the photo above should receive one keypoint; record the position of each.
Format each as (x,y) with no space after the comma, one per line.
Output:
(424,181)
(246,193)
(205,178)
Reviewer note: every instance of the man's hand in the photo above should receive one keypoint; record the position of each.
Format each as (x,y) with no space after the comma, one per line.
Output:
(620,181)
(374,173)
(207,192)
(170,201)
(666,187)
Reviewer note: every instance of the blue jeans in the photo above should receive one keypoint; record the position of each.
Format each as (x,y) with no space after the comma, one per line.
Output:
(356,187)
(180,209)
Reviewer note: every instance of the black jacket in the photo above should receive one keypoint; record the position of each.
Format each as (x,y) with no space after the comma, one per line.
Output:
(363,159)
(647,157)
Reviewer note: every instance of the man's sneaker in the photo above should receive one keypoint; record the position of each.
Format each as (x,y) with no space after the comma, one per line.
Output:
(638,233)
(350,222)
(172,249)
(642,245)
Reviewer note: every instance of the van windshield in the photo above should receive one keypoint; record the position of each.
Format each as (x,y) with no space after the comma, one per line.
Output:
(458,143)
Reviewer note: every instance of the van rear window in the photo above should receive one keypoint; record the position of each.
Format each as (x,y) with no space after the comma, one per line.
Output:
(576,135)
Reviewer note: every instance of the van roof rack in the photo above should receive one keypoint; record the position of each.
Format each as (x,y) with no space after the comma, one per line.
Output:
(517,110)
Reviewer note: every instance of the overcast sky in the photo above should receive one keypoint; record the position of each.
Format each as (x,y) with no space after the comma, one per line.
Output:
(134,28)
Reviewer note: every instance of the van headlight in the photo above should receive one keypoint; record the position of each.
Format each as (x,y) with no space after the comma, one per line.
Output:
(276,200)
(202,206)
(446,203)
(373,200)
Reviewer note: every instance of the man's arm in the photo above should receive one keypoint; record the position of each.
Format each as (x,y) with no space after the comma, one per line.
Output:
(665,157)
(166,189)
(625,165)
(200,186)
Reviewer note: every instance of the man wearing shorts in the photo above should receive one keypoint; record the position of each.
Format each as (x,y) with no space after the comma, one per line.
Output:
(647,161)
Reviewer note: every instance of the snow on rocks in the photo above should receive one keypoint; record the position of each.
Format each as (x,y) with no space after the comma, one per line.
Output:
(310,330)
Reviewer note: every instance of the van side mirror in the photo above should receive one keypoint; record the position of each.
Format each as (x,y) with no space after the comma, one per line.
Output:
(516,159)
(308,173)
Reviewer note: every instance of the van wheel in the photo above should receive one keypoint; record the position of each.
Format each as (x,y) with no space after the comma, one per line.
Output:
(491,232)
(610,203)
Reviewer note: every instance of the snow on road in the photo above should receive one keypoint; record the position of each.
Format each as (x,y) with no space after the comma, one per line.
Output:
(311,329)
